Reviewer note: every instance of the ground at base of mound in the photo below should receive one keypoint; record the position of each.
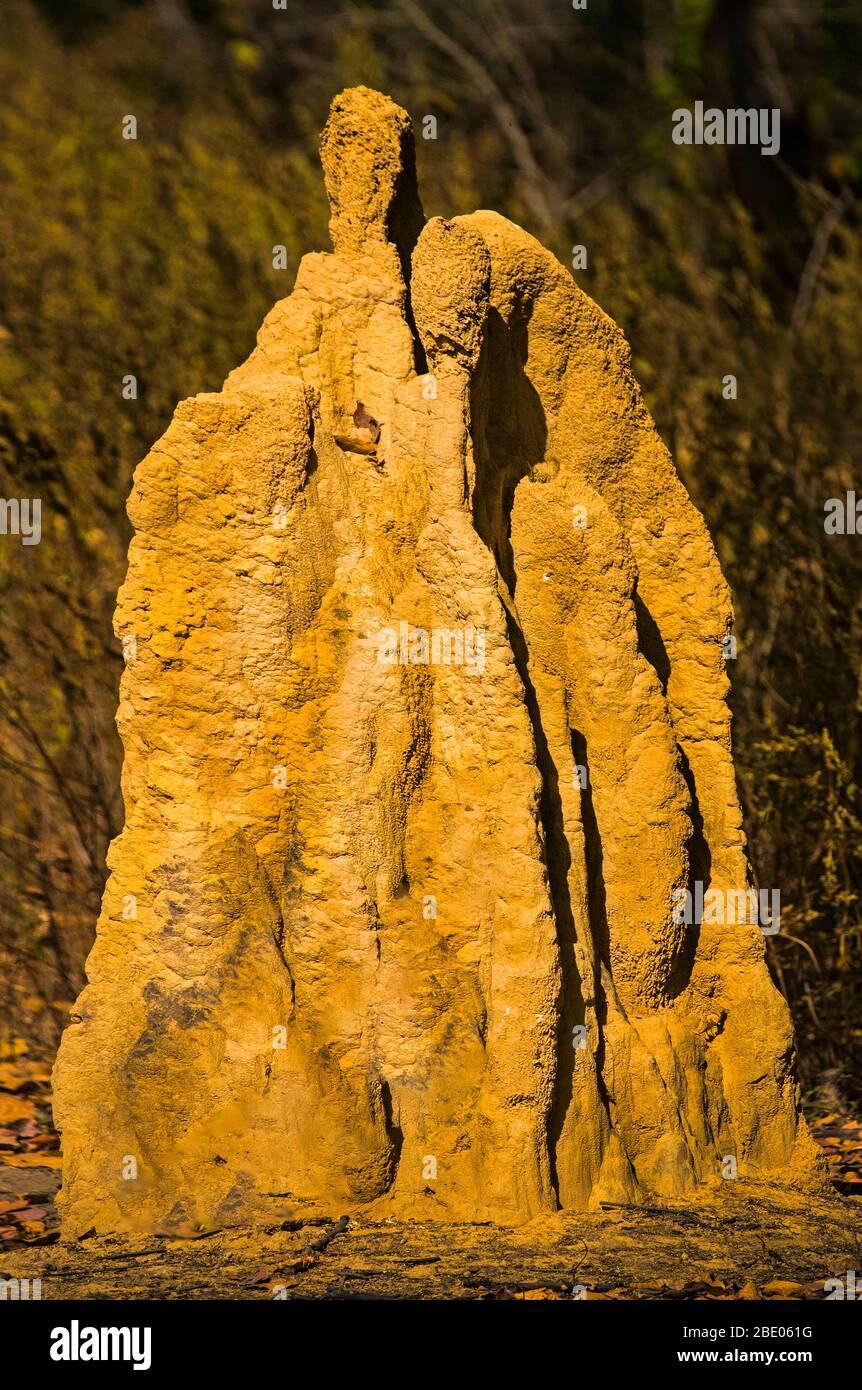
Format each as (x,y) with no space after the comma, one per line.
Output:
(740,1240)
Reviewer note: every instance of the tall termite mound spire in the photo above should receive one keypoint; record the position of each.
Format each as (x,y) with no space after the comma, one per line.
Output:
(426,741)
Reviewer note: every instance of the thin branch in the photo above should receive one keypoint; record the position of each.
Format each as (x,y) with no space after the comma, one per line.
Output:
(537,189)
(816,256)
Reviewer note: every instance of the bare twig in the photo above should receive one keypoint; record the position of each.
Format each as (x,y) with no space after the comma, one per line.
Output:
(816,256)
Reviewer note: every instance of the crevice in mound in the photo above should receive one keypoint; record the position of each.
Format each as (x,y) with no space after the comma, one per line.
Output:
(558,860)
(596,894)
(420,359)
(573,1010)
(403,226)
(699,870)
(508,429)
(405,216)
(394,1134)
(652,647)
(650,642)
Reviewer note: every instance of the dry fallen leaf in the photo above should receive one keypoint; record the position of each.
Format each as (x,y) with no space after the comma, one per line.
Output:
(34,1160)
(31,1214)
(14,1108)
(779,1288)
(14,1076)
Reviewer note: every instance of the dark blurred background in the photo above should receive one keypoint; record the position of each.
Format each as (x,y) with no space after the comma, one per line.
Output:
(154,257)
